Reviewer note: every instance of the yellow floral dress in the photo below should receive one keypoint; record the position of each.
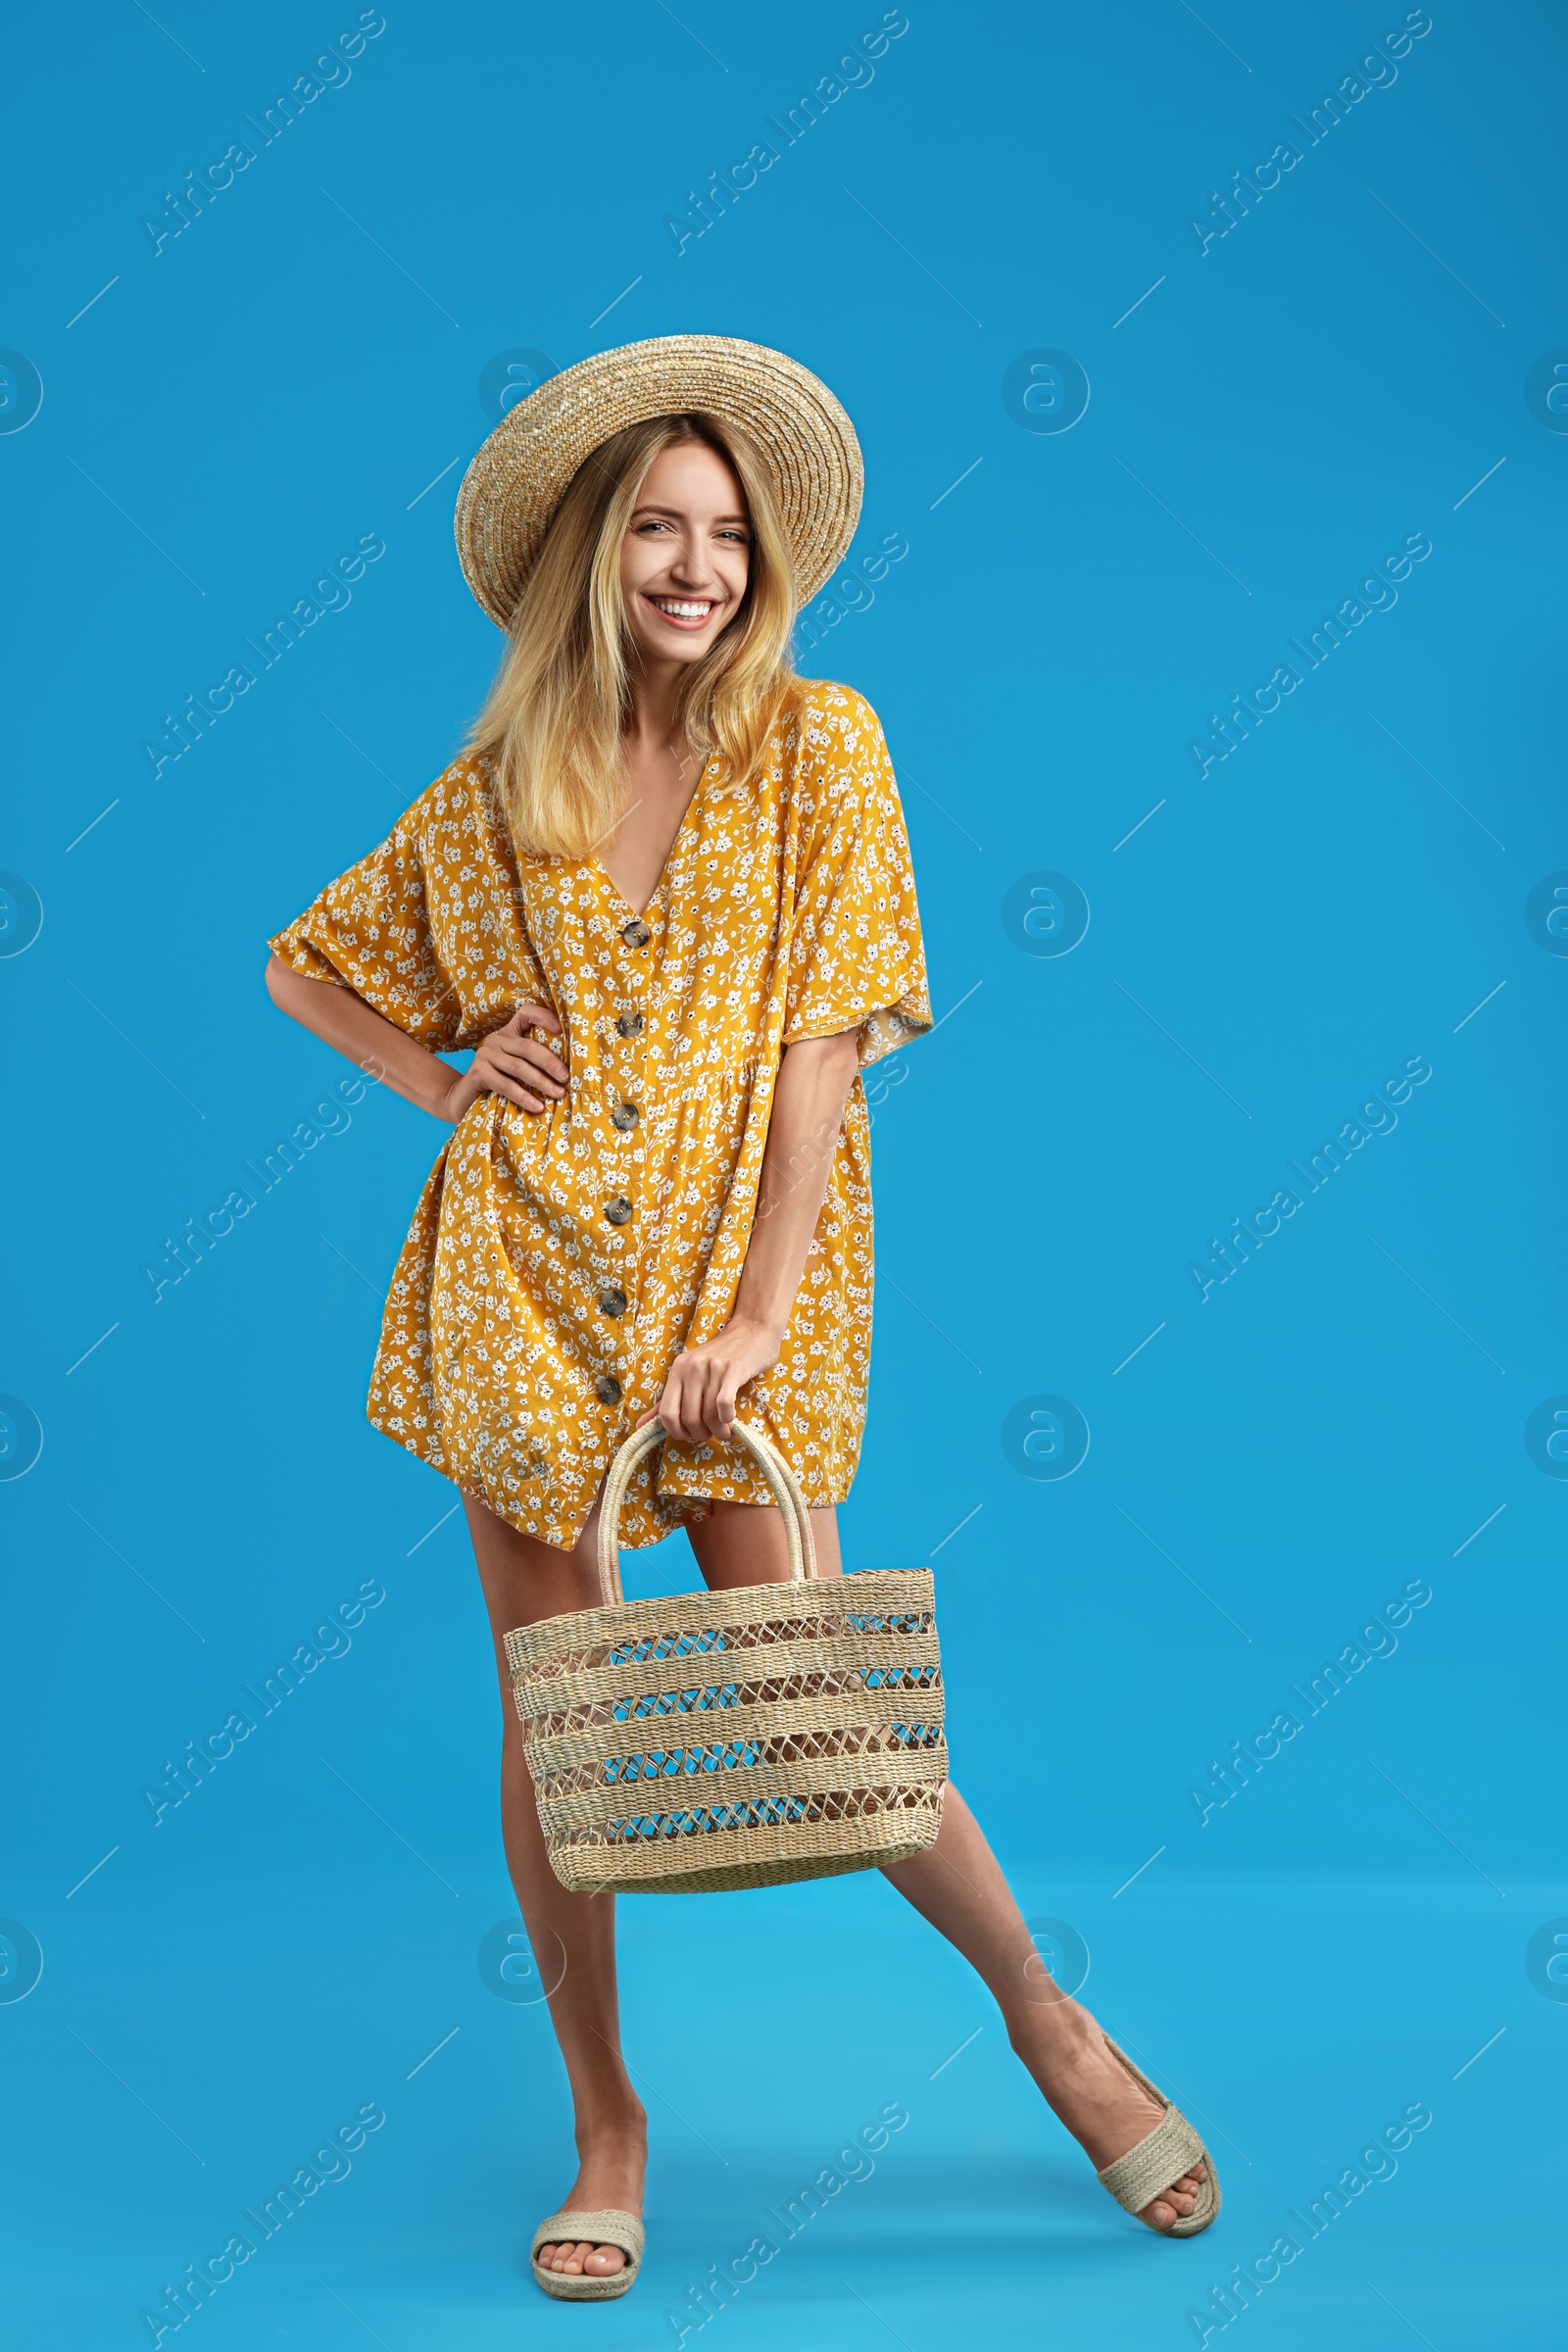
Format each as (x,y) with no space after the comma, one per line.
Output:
(559,1261)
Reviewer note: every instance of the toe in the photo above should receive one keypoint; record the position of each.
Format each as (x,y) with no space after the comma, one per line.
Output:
(605,2261)
(1172,2204)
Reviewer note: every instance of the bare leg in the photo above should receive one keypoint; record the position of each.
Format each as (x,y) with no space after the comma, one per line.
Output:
(572,1936)
(742,1543)
(958,1886)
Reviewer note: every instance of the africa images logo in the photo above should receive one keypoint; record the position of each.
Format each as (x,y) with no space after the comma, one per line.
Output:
(1045,1436)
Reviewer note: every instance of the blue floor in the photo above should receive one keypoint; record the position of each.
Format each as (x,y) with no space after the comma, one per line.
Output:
(156,2108)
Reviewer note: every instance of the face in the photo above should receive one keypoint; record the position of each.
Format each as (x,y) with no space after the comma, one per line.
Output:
(686,556)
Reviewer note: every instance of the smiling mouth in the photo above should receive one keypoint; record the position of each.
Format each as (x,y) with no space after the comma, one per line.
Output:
(691,612)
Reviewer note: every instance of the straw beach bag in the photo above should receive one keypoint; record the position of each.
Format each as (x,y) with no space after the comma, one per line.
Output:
(706,1740)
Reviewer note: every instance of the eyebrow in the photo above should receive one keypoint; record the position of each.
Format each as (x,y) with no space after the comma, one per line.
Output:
(677,513)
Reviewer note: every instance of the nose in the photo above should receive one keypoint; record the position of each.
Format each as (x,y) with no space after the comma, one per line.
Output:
(689,565)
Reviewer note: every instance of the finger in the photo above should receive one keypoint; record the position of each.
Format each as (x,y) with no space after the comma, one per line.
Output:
(537,1067)
(693,1376)
(714,1374)
(671,1414)
(724,1401)
(682,1401)
(504,1040)
(510,1092)
(543,1058)
(700,1386)
(506,1054)
(534,1016)
(664,1409)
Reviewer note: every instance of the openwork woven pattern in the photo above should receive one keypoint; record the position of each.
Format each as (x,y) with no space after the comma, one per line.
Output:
(711,1740)
(511,491)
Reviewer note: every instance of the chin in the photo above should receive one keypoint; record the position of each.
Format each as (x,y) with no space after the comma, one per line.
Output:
(676,648)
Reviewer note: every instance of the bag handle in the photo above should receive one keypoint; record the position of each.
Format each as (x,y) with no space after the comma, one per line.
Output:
(782,1484)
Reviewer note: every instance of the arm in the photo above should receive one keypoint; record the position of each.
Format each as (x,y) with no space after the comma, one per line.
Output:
(508,1062)
(813,1084)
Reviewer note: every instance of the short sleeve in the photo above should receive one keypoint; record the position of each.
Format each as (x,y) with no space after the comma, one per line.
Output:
(371,931)
(429,928)
(856,958)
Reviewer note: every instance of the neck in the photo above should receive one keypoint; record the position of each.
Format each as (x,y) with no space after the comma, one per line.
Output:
(650,719)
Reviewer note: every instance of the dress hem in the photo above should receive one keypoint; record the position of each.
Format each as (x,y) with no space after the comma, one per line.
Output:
(716,1490)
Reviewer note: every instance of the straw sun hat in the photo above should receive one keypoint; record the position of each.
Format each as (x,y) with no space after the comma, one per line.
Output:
(511,492)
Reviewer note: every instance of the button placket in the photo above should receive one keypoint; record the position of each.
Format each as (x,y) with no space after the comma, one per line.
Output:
(624,1065)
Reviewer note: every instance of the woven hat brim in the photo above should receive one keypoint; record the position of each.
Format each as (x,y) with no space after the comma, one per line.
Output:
(514,485)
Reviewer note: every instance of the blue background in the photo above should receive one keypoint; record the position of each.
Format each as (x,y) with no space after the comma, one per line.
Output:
(1268,419)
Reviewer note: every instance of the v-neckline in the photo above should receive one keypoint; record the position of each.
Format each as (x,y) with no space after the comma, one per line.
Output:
(637,913)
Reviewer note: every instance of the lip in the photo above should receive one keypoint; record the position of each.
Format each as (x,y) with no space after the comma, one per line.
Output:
(685,622)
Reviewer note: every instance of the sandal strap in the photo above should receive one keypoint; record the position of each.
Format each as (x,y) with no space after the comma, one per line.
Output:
(1159,2160)
(609,2228)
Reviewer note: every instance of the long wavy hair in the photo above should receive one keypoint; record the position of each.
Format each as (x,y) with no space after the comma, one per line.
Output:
(553,722)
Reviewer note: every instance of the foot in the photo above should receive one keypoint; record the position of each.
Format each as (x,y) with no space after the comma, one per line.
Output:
(609,2176)
(1104,2108)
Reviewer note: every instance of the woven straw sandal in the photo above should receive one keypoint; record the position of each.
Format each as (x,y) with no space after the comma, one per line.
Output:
(1159,2159)
(609,2228)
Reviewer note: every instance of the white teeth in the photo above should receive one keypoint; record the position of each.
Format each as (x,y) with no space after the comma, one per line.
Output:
(682,612)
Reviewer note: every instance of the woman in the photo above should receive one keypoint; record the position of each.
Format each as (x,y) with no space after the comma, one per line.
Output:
(666,898)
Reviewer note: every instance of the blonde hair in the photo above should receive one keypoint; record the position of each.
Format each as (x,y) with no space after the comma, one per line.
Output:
(553,721)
